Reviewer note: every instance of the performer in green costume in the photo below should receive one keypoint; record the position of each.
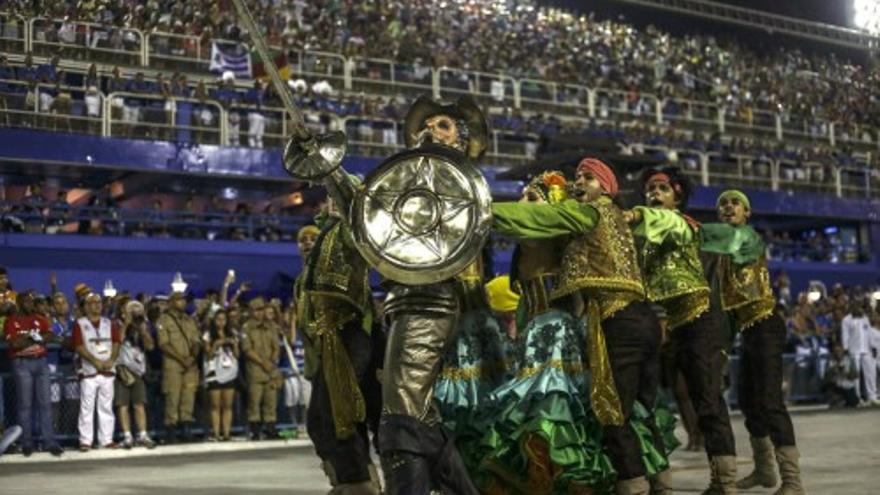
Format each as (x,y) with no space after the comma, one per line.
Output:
(744,285)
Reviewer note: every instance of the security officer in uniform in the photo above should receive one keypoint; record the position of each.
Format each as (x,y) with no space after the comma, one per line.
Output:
(260,347)
(178,336)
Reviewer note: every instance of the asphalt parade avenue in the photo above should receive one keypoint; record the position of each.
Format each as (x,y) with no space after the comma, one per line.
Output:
(839,457)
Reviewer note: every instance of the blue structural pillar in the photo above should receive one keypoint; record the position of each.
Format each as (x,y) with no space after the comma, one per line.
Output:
(183,121)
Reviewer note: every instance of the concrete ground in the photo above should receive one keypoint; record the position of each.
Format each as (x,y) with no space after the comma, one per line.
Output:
(840,457)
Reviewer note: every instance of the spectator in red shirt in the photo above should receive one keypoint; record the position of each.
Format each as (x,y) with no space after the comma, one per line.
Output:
(96,340)
(27,334)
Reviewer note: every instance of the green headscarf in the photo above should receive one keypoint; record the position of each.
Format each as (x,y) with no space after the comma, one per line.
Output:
(735,193)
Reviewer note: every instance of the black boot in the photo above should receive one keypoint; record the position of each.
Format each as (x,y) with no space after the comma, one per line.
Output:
(254,433)
(186,434)
(451,474)
(406,473)
(170,435)
(271,432)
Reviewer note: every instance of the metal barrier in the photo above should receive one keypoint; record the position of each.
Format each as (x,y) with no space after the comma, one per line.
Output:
(87,41)
(92,220)
(178,119)
(14,34)
(257,127)
(802,377)
(317,66)
(701,114)
(64,395)
(488,89)
(615,104)
(387,77)
(369,136)
(806,176)
(50,107)
(179,52)
(803,382)
(761,122)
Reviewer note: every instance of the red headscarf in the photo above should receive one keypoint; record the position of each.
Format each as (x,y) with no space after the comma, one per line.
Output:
(602,173)
(665,178)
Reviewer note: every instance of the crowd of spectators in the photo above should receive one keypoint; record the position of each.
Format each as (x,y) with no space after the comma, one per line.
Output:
(186,366)
(524,40)
(73,101)
(829,333)
(101,214)
(173,362)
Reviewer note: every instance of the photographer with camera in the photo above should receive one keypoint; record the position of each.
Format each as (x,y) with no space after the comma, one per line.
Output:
(131,366)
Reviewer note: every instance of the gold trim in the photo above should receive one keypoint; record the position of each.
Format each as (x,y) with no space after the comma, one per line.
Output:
(568,368)
(686,308)
(604,398)
(606,283)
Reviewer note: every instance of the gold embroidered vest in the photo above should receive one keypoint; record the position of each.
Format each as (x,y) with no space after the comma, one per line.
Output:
(745,290)
(674,279)
(602,263)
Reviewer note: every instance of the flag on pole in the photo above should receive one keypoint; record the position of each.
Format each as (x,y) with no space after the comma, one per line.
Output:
(281,62)
(233,57)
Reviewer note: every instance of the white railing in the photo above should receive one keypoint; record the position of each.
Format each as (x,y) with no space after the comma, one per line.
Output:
(490,89)
(50,107)
(765,172)
(13,32)
(386,77)
(137,115)
(87,41)
(175,49)
(204,121)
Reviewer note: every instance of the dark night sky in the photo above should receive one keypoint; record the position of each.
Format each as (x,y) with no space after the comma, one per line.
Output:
(827,11)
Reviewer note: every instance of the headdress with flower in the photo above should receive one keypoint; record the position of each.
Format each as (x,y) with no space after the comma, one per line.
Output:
(551,186)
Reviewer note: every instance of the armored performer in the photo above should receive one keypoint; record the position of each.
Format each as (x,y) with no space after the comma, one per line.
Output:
(420,219)
(334,315)
(743,281)
(599,270)
(674,279)
(417,452)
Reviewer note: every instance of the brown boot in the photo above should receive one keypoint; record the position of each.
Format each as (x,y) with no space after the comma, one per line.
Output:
(787,458)
(634,486)
(723,475)
(764,473)
(661,483)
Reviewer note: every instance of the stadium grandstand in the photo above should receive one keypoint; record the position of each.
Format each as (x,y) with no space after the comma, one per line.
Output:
(142,141)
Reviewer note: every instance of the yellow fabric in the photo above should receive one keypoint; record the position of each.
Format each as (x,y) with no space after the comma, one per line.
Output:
(603,392)
(346,400)
(501,298)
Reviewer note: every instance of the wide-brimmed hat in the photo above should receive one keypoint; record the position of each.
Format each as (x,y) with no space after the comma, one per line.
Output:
(464,109)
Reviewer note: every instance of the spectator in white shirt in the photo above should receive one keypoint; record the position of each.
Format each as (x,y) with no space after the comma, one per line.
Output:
(856,336)
(93,109)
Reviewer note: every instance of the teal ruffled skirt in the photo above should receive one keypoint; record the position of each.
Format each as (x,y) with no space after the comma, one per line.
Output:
(534,433)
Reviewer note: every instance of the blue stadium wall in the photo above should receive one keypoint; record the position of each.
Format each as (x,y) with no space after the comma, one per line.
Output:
(149,264)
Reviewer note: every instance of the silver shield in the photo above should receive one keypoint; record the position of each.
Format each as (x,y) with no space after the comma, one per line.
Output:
(422,216)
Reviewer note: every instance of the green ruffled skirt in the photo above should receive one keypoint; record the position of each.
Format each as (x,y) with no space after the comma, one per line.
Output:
(535,433)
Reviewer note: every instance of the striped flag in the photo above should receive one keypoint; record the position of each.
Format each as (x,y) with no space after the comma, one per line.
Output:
(234,57)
